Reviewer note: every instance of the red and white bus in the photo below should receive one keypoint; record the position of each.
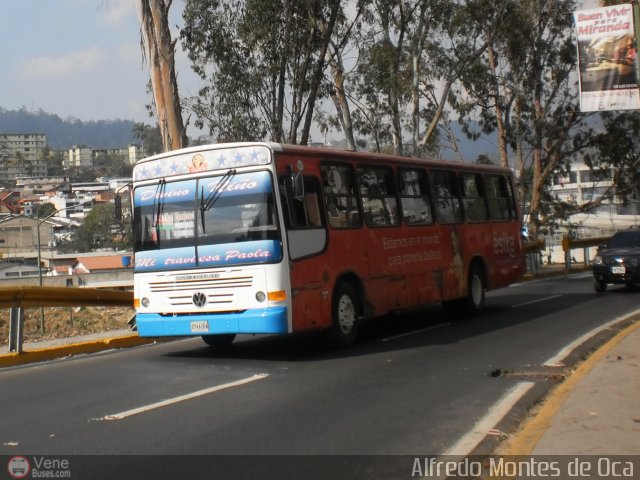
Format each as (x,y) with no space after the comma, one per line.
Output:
(268,238)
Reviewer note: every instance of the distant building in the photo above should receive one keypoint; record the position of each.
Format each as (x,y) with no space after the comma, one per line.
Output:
(97,264)
(581,185)
(22,154)
(18,233)
(30,146)
(79,156)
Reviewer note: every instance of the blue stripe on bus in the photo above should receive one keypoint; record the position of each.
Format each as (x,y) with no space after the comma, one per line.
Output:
(263,320)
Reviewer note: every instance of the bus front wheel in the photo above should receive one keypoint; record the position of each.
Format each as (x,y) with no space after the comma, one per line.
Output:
(223,340)
(345,316)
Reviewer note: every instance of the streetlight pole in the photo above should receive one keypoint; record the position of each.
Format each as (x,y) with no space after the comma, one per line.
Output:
(39,223)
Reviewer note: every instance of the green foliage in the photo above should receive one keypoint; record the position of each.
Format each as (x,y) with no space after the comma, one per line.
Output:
(263,61)
(43,210)
(149,137)
(64,133)
(100,230)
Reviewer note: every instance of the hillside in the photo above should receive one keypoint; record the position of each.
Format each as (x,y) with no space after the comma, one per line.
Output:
(64,133)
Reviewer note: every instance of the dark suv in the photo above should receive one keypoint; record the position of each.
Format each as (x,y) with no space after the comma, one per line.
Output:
(618,261)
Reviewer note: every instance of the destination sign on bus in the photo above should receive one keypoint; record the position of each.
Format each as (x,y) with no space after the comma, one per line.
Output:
(254,252)
(202,161)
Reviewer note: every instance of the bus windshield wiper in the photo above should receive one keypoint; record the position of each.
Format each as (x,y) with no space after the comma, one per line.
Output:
(205,205)
(158,202)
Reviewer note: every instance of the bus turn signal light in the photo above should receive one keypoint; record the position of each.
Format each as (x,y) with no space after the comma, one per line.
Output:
(277,296)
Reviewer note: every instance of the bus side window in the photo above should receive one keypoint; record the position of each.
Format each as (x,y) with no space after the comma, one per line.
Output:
(378,193)
(414,197)
(473,198)
(302,213)
(446,195)
(342,207)
(498,197)
(512,198)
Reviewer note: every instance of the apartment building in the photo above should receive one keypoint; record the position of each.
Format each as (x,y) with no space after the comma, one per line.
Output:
(29,145)
(83,156)
(22,154)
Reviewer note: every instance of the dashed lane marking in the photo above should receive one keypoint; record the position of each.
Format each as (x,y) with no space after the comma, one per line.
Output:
(182,398)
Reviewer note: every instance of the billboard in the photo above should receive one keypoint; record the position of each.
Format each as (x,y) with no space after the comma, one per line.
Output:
(607,59)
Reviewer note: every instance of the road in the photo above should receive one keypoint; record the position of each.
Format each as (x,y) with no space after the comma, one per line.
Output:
(414,385)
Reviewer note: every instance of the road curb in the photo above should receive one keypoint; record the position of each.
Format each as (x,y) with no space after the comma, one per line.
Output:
(52,353)
(524,441)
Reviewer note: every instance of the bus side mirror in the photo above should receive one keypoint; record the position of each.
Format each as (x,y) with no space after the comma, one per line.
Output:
(297,185)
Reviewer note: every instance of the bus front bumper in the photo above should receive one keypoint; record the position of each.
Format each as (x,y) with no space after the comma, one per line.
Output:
(267,320)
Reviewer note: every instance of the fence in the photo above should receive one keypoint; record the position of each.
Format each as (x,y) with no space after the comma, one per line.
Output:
(20,297)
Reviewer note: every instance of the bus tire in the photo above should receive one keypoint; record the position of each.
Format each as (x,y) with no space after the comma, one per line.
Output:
(344,316)
(219,341)
(474,303)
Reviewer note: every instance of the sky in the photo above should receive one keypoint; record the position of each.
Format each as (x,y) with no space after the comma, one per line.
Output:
(80,59)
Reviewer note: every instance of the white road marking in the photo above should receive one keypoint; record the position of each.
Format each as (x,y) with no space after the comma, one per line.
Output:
(487,424)
(556,360)
(414,332)
(535,301)
(182,398)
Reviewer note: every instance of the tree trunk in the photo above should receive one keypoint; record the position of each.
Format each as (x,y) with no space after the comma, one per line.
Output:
(339,98)
(160,49)
(502,131)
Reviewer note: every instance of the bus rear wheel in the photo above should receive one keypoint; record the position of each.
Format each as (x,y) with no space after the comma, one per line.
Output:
(477,290)
(473,303)
(345,316)
(219,341)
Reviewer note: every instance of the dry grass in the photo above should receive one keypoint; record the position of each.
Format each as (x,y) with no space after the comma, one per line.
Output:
(61,322)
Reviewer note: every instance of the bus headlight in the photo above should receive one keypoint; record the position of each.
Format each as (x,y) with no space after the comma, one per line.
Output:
(145,302)
(261,296)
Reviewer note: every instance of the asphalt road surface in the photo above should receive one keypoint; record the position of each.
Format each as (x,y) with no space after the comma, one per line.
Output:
(415,384)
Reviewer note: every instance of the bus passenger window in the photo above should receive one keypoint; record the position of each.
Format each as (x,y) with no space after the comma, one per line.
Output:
(302,213)
(446,195)
(340,196)
(473,198)
(498,197)
(414,197)
(378,193)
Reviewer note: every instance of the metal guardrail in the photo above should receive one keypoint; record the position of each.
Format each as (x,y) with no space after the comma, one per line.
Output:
(21,297)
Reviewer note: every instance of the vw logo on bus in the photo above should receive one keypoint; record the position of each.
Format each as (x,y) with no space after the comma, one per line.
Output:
(199,299)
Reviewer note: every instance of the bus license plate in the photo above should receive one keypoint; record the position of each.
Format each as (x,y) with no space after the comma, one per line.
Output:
(618,270)
(200,327)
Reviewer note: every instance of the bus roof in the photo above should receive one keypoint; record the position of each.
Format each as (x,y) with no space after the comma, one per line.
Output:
(332,154)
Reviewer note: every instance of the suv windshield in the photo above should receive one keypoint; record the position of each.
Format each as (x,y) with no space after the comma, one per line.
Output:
(625,240)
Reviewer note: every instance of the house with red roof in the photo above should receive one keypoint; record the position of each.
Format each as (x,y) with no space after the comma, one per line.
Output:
(97,264)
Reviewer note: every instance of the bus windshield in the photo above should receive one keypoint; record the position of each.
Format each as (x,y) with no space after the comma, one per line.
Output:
(181,217)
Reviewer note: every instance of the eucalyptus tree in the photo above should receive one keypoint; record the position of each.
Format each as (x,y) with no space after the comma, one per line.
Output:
(263,63)
(413,55)
(159,49)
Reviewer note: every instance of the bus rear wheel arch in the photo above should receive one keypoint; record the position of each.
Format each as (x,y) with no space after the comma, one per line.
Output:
(474,302)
